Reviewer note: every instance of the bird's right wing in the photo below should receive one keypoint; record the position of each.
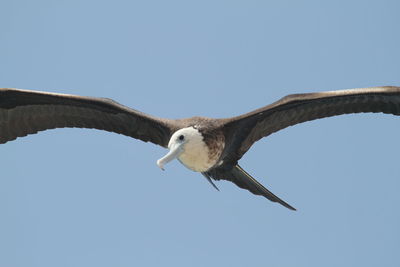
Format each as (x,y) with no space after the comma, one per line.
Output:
(24,112)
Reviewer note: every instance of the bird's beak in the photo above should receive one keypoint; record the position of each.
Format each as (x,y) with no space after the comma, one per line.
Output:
(174,152)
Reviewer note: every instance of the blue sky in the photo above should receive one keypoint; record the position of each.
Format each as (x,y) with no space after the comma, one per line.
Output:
(71,197)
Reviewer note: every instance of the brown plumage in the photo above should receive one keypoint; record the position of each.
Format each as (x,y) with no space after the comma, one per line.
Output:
(24,112)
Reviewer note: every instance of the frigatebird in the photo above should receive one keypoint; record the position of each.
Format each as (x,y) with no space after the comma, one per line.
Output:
(212,147)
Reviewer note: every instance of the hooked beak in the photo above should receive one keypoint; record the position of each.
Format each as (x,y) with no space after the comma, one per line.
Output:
(173,153)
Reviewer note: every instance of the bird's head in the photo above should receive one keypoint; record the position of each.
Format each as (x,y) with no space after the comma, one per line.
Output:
(185,144)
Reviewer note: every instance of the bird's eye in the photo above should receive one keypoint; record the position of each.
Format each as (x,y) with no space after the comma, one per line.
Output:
(181,137)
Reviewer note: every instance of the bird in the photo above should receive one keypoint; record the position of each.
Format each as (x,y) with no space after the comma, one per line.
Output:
(210,146)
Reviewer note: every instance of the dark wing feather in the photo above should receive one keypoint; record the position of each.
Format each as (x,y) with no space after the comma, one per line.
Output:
(244,180)
(244,130)
(24,112)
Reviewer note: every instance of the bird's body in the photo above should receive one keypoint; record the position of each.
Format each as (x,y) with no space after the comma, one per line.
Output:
(210,146)
(198,155)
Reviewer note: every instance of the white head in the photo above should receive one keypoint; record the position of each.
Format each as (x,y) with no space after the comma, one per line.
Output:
(188,146)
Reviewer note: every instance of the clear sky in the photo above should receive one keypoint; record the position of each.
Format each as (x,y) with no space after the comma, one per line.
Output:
(72,197)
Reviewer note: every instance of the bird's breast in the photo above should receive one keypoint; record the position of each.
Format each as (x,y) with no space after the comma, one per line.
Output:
(200,156)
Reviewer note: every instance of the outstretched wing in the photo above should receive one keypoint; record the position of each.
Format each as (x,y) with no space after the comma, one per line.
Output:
(24,112)
(244,180)
(244,130)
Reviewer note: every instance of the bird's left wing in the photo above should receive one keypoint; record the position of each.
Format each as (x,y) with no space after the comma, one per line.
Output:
(242,131)
(24,112)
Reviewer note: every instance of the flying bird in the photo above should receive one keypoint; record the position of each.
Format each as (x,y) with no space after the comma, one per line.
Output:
(210,146)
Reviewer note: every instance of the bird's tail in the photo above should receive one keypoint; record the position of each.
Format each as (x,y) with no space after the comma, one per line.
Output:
(246,181)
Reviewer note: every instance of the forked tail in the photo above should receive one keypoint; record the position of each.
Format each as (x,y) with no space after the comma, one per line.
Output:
(244,180)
